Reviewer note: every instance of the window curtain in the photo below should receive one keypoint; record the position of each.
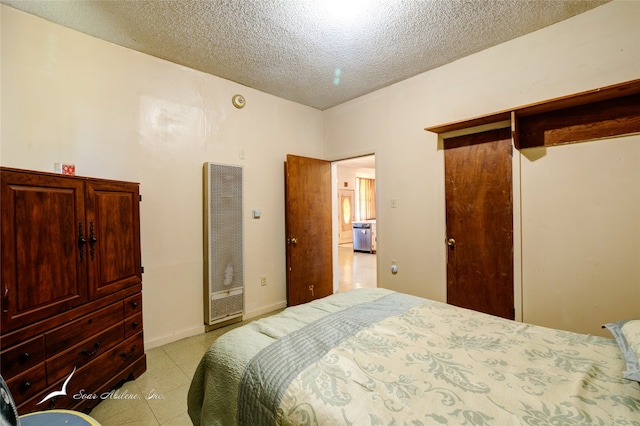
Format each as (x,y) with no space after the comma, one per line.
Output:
(367,198)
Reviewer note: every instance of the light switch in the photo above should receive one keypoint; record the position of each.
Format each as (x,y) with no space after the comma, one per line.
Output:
(257,213)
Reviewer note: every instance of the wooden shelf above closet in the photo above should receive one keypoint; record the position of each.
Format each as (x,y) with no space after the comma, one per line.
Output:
(604,112)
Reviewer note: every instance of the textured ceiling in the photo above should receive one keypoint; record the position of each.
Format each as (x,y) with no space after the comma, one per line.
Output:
(314,52)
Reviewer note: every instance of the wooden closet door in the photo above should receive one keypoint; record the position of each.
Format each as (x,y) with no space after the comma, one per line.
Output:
(113,236)
(43,257)
(479,214)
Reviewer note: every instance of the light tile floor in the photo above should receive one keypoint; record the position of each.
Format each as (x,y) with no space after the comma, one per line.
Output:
(160,392)
(159,396)
(355,269)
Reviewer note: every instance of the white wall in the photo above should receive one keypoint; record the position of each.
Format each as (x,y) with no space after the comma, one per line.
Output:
(595,49)
(120,114)
(349,175)
(581,233)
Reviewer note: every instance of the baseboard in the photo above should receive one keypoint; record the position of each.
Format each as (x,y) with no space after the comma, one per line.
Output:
(150,344)
(265,310)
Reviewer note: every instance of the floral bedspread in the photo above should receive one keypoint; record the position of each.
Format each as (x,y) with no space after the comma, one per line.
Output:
(430,363)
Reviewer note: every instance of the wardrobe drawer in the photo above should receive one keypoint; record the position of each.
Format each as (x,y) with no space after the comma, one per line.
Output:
(83,328)
(28,383)
(133,305)
(92,376)
(89,382)
(125,353)
(132,325)
(22,357)
(62,365)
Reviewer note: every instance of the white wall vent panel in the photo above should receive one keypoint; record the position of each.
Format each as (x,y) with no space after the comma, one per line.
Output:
(223,244)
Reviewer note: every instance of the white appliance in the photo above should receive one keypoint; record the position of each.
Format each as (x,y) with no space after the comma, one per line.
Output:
(223,245)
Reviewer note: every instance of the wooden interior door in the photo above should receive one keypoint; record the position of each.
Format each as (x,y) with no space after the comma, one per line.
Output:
(479,215)
(308,229)
(345,216)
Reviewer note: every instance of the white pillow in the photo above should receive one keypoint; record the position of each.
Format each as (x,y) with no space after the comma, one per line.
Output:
(627,335)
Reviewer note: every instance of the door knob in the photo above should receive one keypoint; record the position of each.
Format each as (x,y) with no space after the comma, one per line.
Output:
(292,240)
(451,243)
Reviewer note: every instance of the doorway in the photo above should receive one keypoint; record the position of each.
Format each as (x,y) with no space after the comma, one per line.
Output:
(354,194)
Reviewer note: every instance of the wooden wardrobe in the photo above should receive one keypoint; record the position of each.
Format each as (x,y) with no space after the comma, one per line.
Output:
(71,288)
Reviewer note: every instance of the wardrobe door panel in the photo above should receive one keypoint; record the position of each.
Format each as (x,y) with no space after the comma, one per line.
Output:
(43,250)
(113,216)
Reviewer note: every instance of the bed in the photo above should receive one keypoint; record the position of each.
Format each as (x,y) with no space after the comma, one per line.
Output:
(377,357)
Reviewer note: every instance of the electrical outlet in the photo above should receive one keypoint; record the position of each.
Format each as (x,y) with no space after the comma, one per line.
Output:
(263,280)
